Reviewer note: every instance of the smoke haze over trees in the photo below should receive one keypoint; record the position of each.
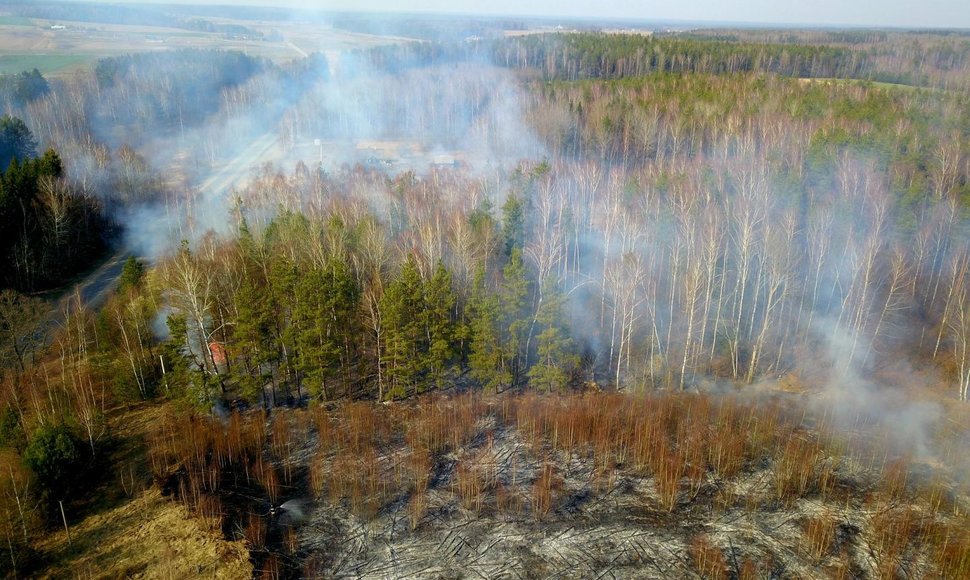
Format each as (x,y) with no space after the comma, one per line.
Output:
(695,213)
(691,220)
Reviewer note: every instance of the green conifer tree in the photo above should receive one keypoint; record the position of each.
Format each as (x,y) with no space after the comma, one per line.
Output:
(556,357)
(405,337)
(439,314)
(487,358)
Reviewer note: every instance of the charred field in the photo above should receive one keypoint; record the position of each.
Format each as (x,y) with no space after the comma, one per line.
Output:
(585,485)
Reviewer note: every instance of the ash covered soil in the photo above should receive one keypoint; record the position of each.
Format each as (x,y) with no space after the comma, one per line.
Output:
(547,487)
(594,527)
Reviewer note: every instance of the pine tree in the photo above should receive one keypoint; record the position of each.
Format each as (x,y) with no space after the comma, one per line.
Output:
(513,224)
(184,376)
(16,141)
(131,274)
(440,301)
(253,335)
(343,310)
(50,165)
(254,328)
(487,358)
(555,351)
(313,350)
(499,324)
(325,315)
(282,282)
(405,337)
(515,313)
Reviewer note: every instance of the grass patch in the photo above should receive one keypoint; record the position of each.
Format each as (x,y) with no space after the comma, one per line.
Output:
(148,534)
(867,83)
(127,528)
(45,63)
(11,20)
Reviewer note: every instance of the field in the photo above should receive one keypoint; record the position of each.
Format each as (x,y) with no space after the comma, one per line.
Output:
(861,83)
(45,63)
(146,537)
(576,487)
(26,44)
(137,532)
(7,20)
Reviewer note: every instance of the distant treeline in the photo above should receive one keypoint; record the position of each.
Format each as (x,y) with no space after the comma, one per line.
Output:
(578,56)
(821,36)
(925,61)
(930,61)
(634,121)
(432,28)
(125,14)
(179,87)
(92,12)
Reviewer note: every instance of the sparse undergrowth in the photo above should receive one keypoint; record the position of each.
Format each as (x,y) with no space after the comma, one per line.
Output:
(638,485)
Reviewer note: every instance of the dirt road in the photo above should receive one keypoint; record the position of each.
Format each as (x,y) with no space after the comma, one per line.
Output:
(94,288)
(222,179)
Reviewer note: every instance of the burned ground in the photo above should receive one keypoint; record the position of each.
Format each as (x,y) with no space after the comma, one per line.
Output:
(575,486)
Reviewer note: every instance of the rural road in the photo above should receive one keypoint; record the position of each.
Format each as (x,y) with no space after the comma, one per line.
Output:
(297,49)
(93,291)
(222,179)
(95,287)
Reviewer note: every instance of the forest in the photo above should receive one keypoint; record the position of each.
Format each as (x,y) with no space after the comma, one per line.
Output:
(698,278)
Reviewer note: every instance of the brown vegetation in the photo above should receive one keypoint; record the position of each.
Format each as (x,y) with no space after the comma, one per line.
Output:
(515,459)
(708,559)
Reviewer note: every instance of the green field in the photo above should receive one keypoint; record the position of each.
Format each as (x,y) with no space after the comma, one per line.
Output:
(45,63)
(862,82)
(9,20)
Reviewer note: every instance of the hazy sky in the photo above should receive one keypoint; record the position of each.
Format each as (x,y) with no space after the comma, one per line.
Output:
(903,13)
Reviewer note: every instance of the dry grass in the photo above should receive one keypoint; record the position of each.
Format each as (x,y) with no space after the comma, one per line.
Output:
(892,532)
(545,491)
(726,452)
(150,537)
(255,532)
(541,458)
(894,480)
(417,508)
(439,424)
(418,466)
(708,559)
(951,550)
(750,570)
(266,477)
(819,535)
(271,568)
(795,467)
(470,486)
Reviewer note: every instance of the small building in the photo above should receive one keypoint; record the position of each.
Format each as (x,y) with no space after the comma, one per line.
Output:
(219,357)
(444,160)
(379,149)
